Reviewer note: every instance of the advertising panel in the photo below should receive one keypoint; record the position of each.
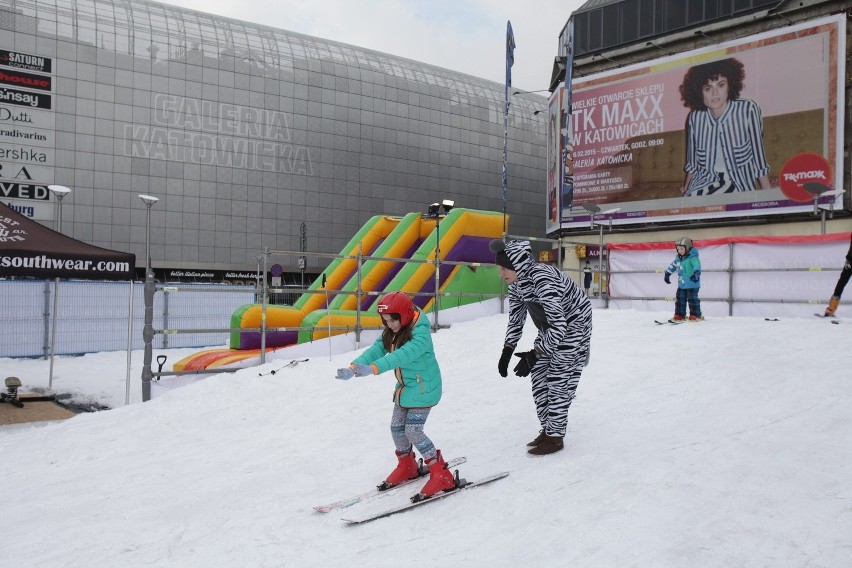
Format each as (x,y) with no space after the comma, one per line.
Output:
(747,127)
(27,133)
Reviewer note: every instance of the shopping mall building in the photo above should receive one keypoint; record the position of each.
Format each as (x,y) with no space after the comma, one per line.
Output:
(249,136)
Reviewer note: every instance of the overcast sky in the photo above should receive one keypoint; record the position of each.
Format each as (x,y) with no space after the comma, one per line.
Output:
(462,35)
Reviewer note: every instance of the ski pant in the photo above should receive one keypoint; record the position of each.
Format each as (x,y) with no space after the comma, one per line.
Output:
(843,280)
(554,385)
(407,430)
(690,296)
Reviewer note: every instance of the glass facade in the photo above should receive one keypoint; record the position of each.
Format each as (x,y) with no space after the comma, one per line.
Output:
(243,131)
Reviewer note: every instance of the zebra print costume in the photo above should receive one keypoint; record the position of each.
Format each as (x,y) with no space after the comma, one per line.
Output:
(563,315)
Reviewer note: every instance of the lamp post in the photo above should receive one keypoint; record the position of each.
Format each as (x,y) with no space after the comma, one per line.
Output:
(435,213)
(148,330)
(595,210)
(58,191)
(819,190)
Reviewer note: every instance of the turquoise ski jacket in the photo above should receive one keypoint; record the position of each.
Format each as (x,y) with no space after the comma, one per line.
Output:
(688,269)
(418,377)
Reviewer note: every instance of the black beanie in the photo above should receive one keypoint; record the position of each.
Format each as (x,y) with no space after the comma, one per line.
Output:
(502,259)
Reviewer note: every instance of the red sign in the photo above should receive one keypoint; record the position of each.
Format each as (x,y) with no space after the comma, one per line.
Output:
(800,170)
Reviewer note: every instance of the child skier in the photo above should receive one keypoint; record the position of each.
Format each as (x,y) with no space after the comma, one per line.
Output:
(406,347)
(688,267)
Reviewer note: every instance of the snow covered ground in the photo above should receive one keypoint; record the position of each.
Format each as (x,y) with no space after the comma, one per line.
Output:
(723,443)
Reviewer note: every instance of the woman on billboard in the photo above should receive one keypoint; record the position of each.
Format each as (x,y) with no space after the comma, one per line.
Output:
(724,133)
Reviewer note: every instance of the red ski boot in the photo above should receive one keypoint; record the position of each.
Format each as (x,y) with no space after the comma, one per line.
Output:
(440,478)
(406,469)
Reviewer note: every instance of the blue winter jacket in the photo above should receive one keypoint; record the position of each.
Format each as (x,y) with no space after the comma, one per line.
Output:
(688,269)
(418,377)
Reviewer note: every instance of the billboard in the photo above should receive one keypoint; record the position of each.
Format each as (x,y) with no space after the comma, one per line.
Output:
(736,129)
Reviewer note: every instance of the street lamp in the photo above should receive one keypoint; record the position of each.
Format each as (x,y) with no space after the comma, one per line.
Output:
(596,210)
(148,330)
(58,191)
(434,212)
(823,208)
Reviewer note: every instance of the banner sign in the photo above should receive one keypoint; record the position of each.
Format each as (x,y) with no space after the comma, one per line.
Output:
(26,80)
(25,61)
(709,133)
(35,210)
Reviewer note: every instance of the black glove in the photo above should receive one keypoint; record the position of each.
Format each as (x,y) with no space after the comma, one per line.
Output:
(667,277)
(505,357)
(527,362)
(695,276)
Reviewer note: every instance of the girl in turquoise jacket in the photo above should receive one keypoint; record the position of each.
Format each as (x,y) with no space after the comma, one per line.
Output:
(405,347)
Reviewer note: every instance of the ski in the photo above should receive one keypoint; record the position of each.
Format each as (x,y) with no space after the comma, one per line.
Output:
(464,485)
(824,316)
(289,365)
(771,319)
(667,322)
(355,499)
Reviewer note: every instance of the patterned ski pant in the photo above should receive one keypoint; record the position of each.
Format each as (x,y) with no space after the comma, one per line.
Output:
(407,430)
(690,296)
(554,384)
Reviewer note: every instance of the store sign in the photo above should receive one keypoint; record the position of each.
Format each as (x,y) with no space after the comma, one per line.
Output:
(30,191)
(35,210)
(26,80)
(24,98)
(25,61)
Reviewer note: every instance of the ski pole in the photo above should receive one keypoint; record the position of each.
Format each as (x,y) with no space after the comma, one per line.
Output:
(327,314)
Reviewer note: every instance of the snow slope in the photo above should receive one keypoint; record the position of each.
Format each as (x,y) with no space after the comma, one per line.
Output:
(721,443)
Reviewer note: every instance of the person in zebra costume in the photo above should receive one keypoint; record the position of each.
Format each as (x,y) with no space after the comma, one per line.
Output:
(724,133)
(841,284)
(562,314)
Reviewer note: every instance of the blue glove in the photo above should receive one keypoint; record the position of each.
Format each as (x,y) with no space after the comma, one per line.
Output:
(695,276)
(362,370)
(344,374)
(668,277)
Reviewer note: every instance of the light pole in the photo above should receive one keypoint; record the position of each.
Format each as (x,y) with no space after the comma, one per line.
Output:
(435,213)
(595,210)
(148,330)
(819,190)
(58,191)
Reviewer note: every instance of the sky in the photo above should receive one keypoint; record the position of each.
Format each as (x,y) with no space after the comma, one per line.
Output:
(463,35)
(720,443)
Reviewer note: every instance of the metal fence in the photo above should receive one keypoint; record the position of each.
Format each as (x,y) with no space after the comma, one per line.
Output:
(92,316)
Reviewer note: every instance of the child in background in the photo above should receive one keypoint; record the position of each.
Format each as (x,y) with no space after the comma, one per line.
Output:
(688,268)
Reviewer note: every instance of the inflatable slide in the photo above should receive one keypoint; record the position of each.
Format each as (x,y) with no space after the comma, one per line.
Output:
(464,237)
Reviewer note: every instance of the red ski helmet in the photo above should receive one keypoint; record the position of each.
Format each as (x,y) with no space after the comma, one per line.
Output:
(397,303)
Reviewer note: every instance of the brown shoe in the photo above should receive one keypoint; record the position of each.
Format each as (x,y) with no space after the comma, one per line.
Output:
(548,445)
(538,439)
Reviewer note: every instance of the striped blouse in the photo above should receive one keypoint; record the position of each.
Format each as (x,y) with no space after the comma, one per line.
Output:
(738,134)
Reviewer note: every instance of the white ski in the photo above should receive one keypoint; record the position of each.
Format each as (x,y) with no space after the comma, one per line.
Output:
(465,485)
(355,499)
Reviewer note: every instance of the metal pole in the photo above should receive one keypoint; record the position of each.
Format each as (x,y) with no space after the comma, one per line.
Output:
(437,267)
(263,311)
(600,261)
(45,345)
(59,192)
(129,343)
(148,327)
(357,299)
